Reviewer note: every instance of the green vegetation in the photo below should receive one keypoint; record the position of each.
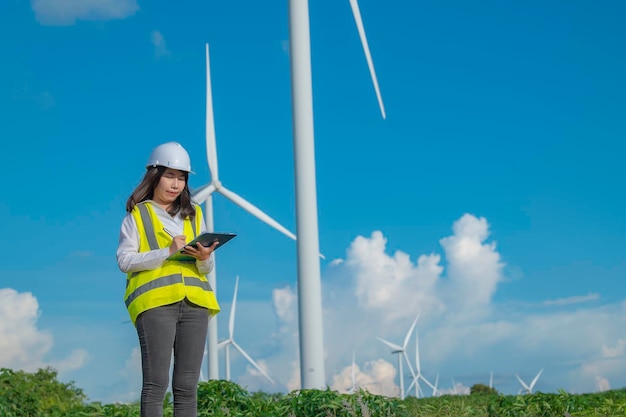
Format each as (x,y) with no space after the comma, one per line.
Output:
(40,395)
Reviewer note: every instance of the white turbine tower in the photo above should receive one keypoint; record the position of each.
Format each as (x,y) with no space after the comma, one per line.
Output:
(204,195)
(401,352)
(353,388)
(418,372)
(204,355)
(528,388)
(226,343)
(309,285)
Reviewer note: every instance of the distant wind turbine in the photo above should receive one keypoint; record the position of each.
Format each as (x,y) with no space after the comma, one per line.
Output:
(204,195)
(455,391)
(418,372)
(528,389)
(401,352)
(226,343)
(353,388)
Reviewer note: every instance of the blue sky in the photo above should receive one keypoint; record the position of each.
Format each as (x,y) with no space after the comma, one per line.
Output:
(490,199)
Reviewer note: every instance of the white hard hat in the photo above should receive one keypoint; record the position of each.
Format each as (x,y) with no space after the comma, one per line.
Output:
(170,155)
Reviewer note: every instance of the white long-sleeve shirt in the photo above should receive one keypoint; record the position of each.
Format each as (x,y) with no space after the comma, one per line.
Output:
(129,259)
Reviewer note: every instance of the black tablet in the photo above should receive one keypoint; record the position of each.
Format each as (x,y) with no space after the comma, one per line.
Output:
(206,239)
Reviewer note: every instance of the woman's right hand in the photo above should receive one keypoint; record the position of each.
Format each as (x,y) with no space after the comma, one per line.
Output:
(178,242)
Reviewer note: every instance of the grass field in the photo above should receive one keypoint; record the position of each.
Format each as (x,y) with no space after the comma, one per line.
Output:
(40,394)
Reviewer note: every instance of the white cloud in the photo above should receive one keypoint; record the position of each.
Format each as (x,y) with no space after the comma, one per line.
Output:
(66,12)
(293,382)
(602,384)
(457,389)
(284,304)
(132,366)
(158,41)
(392,283)
(131,378)
(613,352)
(23,345)
(474,267)
(252,376)
(572,300)
(377,377)
(76,360)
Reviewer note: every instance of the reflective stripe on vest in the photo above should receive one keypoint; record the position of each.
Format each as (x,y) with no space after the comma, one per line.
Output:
(165,281)
(148,226)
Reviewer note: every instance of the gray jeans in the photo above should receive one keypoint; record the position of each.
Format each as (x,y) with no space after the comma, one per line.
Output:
(181,328)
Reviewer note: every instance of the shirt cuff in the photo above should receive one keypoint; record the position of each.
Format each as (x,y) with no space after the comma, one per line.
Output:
(205,267)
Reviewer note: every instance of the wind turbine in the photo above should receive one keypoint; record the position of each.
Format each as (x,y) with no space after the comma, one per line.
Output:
(455,391)
(309,285)
(528,389)
(204,195)
(401,352)
(352,389)
(226,343)
(418,375)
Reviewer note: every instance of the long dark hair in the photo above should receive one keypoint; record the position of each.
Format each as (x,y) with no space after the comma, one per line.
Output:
(145,191)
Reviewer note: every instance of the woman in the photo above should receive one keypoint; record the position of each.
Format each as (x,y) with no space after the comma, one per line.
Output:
(169,302)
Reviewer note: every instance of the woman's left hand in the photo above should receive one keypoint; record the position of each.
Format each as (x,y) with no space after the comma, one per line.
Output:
(200,252)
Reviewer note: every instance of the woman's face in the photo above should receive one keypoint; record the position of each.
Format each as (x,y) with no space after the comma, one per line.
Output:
(171,184)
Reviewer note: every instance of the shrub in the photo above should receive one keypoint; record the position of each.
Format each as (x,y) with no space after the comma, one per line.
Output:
(37,394)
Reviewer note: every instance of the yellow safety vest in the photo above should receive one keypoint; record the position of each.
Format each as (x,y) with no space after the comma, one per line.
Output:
(174,280)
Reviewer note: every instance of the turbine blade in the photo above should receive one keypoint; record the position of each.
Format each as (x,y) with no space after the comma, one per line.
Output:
(522,382)
(417,353)
(393,346)
(408,335)
(255,211)
(199,195)
(245,355)
(411,385)
(359,24)
(211,148)
(231,319)
(408,363)
(532,384)
(223,343)
(427,382)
